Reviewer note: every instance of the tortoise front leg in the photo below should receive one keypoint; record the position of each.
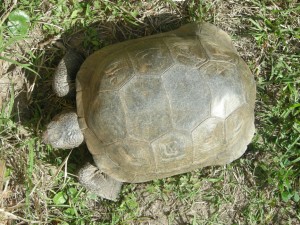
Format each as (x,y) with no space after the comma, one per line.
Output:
(99,183)
(65,74)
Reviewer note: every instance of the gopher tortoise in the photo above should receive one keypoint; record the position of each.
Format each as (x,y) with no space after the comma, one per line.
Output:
(156,106)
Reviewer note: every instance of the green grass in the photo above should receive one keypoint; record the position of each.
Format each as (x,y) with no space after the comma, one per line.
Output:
(41,185)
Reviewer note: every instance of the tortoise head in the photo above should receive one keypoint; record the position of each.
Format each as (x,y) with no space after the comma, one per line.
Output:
(64,131)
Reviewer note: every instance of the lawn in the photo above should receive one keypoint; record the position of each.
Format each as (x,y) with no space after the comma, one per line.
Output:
(39,184)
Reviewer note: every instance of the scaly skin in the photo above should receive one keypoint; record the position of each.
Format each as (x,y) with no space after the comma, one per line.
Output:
(64,76)
(99,183)
(64,131)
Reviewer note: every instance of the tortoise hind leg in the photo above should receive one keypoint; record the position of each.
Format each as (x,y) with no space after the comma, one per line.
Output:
(99,183)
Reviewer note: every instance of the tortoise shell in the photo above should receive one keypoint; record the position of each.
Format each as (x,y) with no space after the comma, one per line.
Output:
(166,104)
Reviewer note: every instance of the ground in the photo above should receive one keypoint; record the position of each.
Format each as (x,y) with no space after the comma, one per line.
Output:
(39,182)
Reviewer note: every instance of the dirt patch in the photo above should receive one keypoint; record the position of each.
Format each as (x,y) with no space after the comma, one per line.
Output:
(225,201)
(14,80)
(233,17)
(11,78)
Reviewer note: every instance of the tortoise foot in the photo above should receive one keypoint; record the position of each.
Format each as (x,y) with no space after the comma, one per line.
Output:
(99,183)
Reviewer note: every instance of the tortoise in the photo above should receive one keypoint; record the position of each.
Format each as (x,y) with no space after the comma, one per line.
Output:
(156,106)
